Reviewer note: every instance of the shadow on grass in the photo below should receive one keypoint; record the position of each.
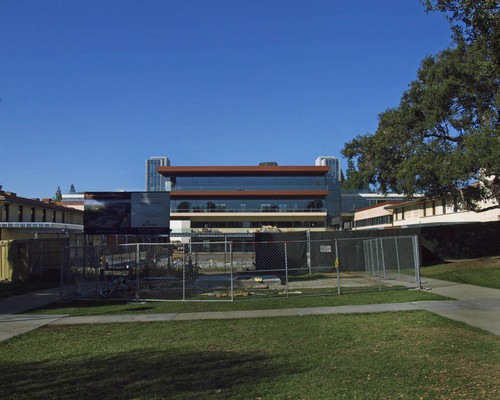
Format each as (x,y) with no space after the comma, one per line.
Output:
(142,374)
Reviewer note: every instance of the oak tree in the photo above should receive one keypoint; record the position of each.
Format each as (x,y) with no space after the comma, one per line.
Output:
(445,134)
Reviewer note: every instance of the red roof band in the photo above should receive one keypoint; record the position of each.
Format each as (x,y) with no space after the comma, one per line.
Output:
(312,170)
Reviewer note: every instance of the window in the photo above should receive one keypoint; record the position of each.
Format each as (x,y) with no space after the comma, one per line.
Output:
(20,214)
(443,204)
(266,207)
(6,213)
(33,214)
(53,216)
(433,208)
(44,215)
(403,213)
(424,207)
(63,221)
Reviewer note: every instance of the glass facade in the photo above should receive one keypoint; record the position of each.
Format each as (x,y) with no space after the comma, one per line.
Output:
(385,219)
(352,201)
(333,202)
(154,181)
(248,205)
(273,183)
(239,183)
(255,224)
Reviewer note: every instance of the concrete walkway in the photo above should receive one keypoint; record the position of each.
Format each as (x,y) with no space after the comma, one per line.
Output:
(474,305)
(29,301)
(12,323)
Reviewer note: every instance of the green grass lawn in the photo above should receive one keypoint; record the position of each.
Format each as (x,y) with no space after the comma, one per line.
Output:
(93,307)
(401,355)
(482,272)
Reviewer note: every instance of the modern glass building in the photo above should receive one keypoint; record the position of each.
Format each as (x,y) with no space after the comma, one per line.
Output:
(247,198)
(154,181)
(333,200)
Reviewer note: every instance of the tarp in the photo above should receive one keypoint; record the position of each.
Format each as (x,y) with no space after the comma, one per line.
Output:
(270,248)
(439,242)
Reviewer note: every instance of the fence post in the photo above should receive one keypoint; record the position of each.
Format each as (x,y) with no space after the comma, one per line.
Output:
(372,257)
(41,258)
(61,277)
(231,268)
(367,250)
(417,260)
(137,261)
(308,255)
(383,256)
(397,256)
(183,272)
(2,272)
(85,256)
(97,267)
(378,266)
(286,269)
(69,273)
(225,254)
(337,265)
(196,258)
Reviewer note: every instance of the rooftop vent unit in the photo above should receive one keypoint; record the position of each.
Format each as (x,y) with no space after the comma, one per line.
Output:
(268,164)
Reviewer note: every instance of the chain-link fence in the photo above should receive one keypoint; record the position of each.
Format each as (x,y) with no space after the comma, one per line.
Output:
(235,270)
(31,259)
(392,258)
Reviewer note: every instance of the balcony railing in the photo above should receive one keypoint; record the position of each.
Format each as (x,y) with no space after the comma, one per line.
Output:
(41,225)
(247,210)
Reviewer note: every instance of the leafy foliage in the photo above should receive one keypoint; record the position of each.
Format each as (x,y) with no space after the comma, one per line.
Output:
(58,195)
(445,132)
(472,21)
(354,180)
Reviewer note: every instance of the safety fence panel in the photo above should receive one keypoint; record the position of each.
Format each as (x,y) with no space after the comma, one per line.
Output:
(85,268)
(393,258)
(199,271)
(218,271)
(31,259)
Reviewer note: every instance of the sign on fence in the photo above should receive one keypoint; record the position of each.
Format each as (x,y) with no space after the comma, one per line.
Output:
(126,213)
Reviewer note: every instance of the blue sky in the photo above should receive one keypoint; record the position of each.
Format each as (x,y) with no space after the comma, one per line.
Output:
(91,88)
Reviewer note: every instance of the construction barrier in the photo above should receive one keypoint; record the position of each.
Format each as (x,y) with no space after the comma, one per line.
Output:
(225,271)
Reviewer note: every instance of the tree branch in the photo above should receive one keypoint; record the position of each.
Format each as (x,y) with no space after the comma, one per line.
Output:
(445,137)
(481,210)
